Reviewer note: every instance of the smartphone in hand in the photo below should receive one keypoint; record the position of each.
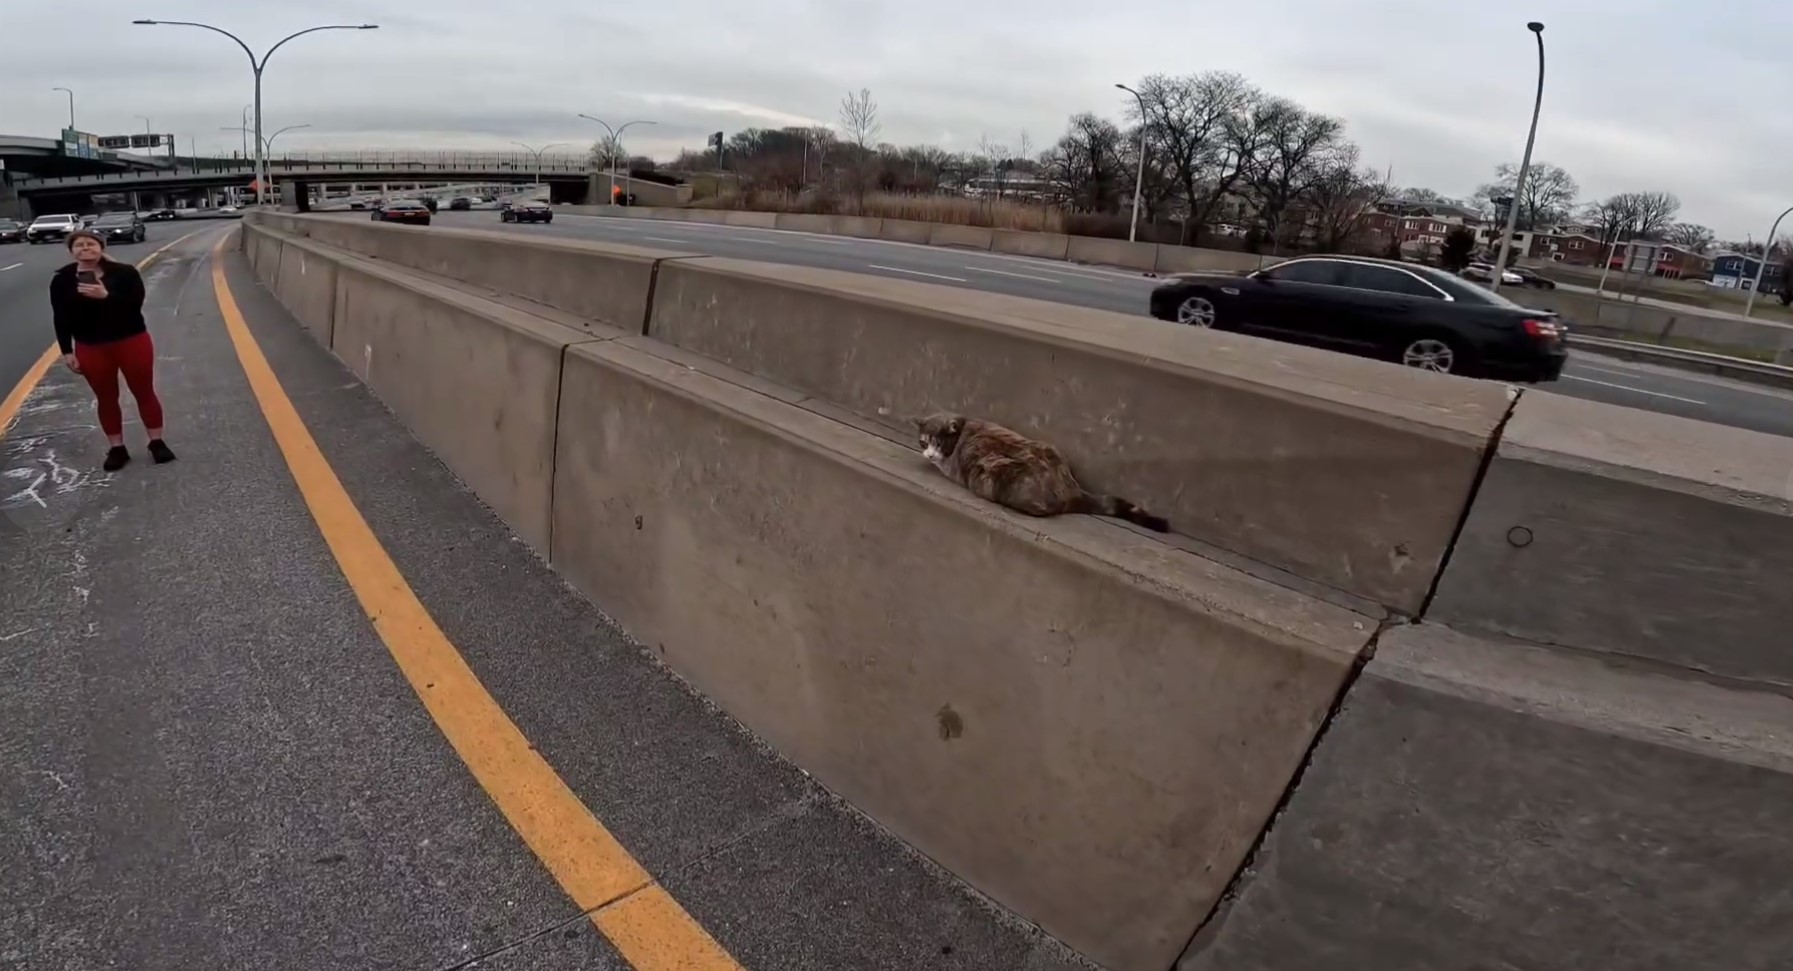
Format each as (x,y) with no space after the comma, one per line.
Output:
(86,276)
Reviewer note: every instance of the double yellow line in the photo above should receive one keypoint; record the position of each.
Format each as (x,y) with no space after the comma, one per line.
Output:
(15,399)
(651,930)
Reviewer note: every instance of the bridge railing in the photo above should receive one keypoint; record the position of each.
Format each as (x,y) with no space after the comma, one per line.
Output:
(384,162)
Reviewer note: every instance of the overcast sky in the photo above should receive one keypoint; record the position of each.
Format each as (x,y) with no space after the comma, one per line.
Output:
(1641,94)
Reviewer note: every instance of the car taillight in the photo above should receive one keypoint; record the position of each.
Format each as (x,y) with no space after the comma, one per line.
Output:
(1542,329)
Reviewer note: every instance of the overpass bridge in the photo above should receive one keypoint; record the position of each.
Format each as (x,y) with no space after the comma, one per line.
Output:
(27,159)
(568,176)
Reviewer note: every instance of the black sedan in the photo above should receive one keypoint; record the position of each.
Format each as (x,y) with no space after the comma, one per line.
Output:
(11,231)
(120,227)
(527,212)
(407,211)
(1411,314)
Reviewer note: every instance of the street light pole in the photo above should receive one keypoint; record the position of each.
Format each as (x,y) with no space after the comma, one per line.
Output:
(1139,178)
(71,106)
(1525,164)
(1762,267)
(616,149)
(538,152)
(257,65)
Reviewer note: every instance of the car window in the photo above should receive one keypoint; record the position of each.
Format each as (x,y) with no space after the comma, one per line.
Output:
(1306,271)
(1386,279)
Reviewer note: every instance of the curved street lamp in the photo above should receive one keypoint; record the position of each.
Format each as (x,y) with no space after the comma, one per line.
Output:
(538,152)
(71,106)
(256,65)
(616,148)
(1761,267)
(1139,179)
(1525,164)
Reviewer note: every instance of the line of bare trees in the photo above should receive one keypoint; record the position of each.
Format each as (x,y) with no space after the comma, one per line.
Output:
(1219,152)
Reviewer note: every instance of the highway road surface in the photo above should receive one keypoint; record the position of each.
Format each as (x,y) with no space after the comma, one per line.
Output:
(1588,375)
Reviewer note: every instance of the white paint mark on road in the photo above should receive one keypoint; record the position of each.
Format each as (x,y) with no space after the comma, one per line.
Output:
(15,266)
(668,239)
(15,635)
(1627,387)
(1018,276)
(29,492)
(936,276)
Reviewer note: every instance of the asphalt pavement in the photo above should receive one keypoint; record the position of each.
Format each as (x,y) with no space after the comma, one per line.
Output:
(214,758)
(1588,375)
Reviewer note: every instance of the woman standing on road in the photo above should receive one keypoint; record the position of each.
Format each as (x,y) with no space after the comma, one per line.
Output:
(98,305)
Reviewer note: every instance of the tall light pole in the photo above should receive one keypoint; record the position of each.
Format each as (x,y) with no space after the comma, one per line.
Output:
(1762,267)
(1139,178)
(257,65)
(1525,164)
(71,106)
(537,152)
(268,143)
(246,129)
(616,149)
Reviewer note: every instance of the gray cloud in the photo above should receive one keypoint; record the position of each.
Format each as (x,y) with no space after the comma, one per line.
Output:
(1642,94)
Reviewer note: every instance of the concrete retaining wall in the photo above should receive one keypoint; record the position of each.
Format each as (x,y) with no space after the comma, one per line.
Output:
(1114,252)
(962,237)
(1093,726)
(1341,470)
(1049,246)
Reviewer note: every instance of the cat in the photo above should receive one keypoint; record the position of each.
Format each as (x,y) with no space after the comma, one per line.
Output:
(1012,470)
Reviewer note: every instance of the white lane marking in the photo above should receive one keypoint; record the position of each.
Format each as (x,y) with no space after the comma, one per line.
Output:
(1072,269)
(666,239)
(15,266)
(1019,276)
(937,276)
(1627,387)
(1603,369)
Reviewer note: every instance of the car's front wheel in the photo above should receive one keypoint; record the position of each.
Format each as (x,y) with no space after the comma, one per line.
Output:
(1197,311)
(1435,352)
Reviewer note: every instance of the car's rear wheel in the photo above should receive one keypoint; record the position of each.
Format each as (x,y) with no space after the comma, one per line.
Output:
(1197,311)
(1435,352)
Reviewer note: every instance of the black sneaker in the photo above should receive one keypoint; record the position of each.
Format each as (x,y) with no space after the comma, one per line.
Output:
(160,451)
(116,457)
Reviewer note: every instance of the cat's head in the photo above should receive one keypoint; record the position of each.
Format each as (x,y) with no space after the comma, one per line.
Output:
(939,435)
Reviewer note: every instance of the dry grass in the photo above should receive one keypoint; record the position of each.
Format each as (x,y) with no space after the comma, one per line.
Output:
(991,213)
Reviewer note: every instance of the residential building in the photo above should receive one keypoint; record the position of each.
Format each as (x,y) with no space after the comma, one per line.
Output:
(1577,249)
(1659,259)
(1738,270)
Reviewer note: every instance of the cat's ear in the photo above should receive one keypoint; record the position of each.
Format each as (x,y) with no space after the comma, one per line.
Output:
(955,426)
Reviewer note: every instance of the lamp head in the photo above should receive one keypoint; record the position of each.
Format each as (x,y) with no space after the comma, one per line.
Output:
(144,22)
(377,27)
(1535,27)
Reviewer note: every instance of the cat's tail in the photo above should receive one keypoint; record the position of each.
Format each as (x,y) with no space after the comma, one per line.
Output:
(1120,508)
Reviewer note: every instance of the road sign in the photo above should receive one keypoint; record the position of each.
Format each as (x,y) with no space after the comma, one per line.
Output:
(138,140)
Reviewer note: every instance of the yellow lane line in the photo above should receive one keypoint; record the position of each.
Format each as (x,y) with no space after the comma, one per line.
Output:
(651,930)
(15,399)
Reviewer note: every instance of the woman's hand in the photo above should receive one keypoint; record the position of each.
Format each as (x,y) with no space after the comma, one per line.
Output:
(69,361)
(96,291)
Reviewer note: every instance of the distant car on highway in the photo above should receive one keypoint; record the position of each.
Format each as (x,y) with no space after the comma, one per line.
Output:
(49,229)
(1484,273)
(120,227)
(11,231)
(1415,315)
(460,203)
(1530,279)
(531,211)
(407,211)
(159,215)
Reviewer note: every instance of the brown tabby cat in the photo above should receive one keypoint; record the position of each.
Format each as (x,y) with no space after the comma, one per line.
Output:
(1010,469)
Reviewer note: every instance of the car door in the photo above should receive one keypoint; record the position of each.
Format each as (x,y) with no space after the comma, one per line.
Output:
(1384,307)
(1294,301)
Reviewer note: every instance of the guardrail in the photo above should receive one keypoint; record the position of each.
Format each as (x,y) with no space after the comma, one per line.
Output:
(395,163)
(1723,365)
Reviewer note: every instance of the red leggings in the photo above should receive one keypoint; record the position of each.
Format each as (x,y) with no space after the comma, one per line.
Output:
(101,365)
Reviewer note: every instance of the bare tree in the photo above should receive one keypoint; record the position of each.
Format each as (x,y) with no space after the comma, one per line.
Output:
(1655,213)
(993,159)
(1613,219)
(1691,236)
(1338,205)
(1296,143)
(860,127)
(1190,126)
(1549,196)
(1087,165)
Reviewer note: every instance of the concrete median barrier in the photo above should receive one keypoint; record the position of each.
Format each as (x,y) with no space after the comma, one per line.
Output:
(860,227)
(601,282)
(802,222)
(1034,684)
(1631,532)
(1344,471)
(1046,246)
(905,231)
(751,220)
(1480,804)
(1113,252)
(1190,259)
(959,237)
(475,380)
(304,279)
